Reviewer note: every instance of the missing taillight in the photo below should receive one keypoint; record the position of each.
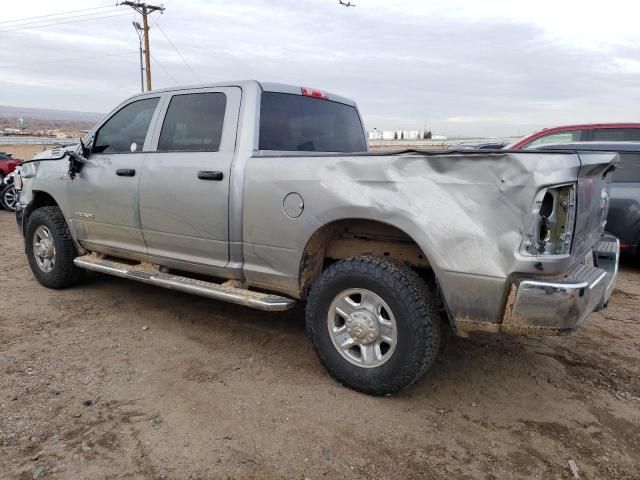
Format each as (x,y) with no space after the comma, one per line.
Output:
(544,232)
(552,230)
(546,209)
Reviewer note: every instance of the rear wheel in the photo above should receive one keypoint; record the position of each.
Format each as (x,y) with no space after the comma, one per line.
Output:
(50,249)
(374,324)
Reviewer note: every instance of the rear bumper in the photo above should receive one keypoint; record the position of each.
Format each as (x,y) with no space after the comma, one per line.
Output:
(561,305)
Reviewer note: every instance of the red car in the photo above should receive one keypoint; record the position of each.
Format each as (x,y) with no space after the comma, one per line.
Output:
(596,132)
(7,164)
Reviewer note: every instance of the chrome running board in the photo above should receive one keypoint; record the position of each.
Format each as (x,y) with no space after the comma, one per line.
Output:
(225,292)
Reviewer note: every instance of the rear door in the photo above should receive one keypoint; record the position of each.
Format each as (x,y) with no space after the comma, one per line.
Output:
(184,186)
(104,195)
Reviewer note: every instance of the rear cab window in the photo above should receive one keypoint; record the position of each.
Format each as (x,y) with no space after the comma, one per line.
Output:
(298,123)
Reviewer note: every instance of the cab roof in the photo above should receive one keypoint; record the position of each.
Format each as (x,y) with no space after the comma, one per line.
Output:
(264,86)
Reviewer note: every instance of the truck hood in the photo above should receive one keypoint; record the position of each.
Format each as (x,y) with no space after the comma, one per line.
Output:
(57,153)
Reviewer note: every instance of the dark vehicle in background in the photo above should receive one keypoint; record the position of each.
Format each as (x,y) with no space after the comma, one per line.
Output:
(623,219)
(8,197)
(8,193)
(461,147)
(7,164)
(595,132)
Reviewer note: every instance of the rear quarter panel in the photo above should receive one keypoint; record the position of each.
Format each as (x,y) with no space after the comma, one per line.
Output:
(466,211)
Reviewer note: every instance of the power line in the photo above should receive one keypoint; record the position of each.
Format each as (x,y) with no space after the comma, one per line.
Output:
(165,70)
(69,17)
(61,23)
(184,60)
(56,14)
(64,60)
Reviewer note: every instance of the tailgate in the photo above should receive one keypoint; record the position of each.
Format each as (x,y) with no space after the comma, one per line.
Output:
(593,199)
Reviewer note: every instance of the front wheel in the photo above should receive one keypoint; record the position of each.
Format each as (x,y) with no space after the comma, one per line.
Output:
(374,324)
(50,249)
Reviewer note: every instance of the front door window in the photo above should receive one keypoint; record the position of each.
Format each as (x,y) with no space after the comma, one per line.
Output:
(127,129)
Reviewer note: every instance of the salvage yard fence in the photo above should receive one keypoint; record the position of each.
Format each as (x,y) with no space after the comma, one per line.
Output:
(27,140)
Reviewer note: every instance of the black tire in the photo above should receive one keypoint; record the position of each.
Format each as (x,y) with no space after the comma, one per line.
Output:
(11,206)
(416,315)
(1,187)
(64,272)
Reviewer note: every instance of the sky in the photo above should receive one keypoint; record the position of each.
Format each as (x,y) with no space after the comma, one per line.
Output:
(458,67)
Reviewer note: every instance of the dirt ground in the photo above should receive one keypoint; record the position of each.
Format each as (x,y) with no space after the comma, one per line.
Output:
(114,379)
(24,151)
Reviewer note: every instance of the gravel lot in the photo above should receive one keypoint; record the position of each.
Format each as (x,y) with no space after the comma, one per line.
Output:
(114,379)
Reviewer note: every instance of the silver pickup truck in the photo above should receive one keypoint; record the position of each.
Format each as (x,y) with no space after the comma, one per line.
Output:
(262,194)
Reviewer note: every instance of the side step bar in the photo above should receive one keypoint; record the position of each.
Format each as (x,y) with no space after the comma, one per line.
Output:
(226,292)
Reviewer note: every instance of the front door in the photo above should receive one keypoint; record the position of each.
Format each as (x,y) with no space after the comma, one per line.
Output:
(184,185)
(104,195)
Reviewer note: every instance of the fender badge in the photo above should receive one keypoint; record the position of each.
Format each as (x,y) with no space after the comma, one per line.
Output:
(84,215)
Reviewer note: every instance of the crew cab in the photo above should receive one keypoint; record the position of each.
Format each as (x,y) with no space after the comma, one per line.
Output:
(264,194)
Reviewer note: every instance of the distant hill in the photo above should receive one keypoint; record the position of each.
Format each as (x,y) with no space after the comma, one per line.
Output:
(47,114)
(45,119)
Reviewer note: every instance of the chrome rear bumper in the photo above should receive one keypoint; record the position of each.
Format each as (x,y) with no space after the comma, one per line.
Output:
(559,305)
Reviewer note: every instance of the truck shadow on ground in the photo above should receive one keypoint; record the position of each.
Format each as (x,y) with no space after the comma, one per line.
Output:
(630,262)
(473,364)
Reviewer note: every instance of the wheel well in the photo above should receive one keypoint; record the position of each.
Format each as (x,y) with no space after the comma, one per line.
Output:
(347,238)
(40,199)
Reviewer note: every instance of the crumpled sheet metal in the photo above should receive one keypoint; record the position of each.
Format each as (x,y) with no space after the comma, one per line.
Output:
(468,213)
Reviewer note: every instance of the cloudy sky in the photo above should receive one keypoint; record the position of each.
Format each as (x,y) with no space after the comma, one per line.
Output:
(469,67)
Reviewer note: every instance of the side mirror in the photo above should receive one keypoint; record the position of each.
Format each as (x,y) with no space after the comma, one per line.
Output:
(78,158)
(86,148)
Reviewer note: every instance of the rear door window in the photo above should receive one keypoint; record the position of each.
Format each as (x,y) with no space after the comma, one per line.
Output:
(306,124)
(616,134)
(193,123)
(558,137)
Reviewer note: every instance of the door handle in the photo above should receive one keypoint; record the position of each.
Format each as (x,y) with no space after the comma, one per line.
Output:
(125,172)
(206,175)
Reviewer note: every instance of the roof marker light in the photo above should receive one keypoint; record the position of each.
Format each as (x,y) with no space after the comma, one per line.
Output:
(310,92)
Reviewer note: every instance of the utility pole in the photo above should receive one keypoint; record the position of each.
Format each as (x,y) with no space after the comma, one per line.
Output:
(144,10)
(139,31)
